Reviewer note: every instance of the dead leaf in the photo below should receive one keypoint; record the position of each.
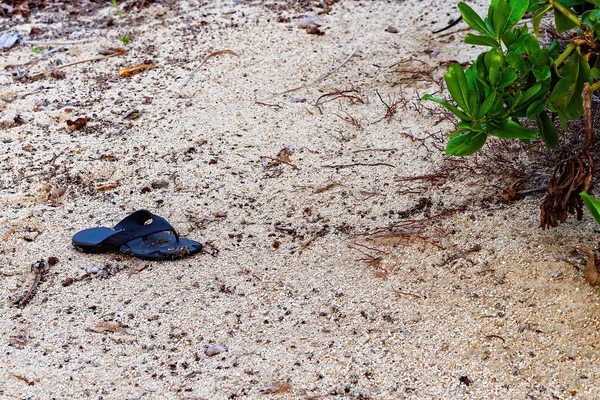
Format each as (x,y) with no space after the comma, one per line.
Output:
(107,327)
(590,273)
(325,188)
(7,234)
(112,51)
(136,69)
(30,382)
(510,192)
(104,188)
(279,387)
(76,125)
(58,74)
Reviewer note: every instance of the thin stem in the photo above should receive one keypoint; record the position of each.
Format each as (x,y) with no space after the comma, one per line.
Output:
(565,54)
(559,7)
(595,86)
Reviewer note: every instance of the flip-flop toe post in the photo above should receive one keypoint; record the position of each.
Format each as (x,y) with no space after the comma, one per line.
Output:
(141,234)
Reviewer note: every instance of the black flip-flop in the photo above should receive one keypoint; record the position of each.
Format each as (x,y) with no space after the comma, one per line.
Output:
(141,234)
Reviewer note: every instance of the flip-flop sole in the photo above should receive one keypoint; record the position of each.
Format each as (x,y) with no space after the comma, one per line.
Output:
(88,240)
(160,246)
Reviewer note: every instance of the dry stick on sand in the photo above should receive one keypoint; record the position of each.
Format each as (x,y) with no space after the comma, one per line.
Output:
(40,268)
(208,57)
(34,61)
(279,160)
(56,42)
(319,79)
(75,63)
(359,165)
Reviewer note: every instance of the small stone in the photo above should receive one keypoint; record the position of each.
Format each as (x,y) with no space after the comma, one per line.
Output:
(220,214)
(68,282)
(313,29)
(92,270)
(214,349)
(160,184)
(189,103)
(391,29)
(8,40)
(57,192)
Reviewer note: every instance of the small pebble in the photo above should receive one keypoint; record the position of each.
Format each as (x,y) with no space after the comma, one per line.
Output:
(189,103)
(220,214)
(68,282)
(92,270)
(57,192)
(305,22)
(313,29)
(391,29)
(160,184)
(214,349)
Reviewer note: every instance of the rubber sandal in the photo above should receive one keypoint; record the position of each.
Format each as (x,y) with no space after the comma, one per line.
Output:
(141,234)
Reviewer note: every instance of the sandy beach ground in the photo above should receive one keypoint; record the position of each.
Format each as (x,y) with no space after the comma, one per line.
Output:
(333,270)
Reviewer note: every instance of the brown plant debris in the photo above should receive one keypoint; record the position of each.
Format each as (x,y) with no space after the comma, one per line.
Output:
(570,177)
(590,273)
(40,268)
(208,57)
(136,69)
(107,327)
(510,192)
(279,387)
(352,95)
(76,125)
(283,157)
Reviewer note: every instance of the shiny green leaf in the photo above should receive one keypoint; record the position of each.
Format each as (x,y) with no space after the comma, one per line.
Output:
(592,205)
(466,144)
(547,130)
(509,129)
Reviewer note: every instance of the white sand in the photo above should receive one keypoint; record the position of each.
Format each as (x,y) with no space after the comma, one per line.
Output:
(511,317)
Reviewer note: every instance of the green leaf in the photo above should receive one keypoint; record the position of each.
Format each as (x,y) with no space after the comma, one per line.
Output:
(486,105)
(560,89)
(472,19)
(498,15)
(538,16)
(458,87)
(592,205)
(535,109)
(518,8)
(448,106)
(509,129)
(481,40)
(532,91)
(547,130)
(571,105)
(516,61)
(466,144)
(595,73)
(562,22)
(508,77)
(542,73)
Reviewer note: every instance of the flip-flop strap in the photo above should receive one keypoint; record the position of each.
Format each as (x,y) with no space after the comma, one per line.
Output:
(134,227)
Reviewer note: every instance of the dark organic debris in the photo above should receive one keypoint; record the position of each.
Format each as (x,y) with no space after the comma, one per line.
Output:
(76,125)
(40,268)
(570,178)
